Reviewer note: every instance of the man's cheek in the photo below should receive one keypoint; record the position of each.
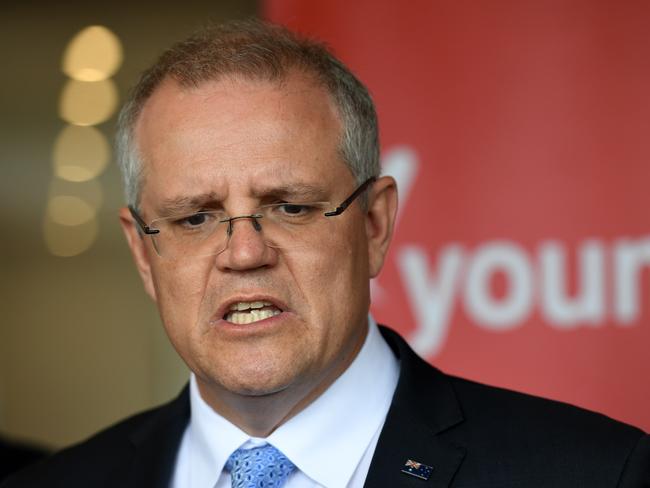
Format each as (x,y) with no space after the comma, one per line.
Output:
(178,294)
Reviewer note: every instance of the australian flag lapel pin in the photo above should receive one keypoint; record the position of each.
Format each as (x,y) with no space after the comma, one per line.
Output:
(416,469)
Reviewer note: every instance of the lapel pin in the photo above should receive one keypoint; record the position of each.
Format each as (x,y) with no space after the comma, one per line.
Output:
(416,469)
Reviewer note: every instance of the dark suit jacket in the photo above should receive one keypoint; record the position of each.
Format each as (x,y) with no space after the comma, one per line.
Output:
(472,435)
(16,455)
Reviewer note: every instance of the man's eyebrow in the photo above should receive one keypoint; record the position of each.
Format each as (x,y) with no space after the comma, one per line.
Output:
(292,191)
(179,205)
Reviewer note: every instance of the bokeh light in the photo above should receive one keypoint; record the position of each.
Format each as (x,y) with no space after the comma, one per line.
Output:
(80,153)
(66,241)
(89,191)
(88,103)
(94,54)
(69,210)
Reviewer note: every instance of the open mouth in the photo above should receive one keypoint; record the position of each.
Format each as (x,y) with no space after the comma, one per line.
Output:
(249,312)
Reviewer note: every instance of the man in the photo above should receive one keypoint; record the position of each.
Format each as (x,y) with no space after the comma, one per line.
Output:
(256,218)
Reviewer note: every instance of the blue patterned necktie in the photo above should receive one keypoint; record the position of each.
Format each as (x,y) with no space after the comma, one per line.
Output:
(260,467)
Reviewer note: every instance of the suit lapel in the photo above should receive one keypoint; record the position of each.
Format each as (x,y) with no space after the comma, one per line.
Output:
(424,406)
(156,444)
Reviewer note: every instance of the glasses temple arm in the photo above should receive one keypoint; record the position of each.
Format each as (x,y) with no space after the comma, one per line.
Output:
(145,228)
(346,203)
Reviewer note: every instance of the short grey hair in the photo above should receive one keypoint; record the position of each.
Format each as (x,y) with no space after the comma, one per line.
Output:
(259,51)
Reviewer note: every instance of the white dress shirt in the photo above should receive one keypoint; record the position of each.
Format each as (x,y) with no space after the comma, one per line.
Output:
(331,441)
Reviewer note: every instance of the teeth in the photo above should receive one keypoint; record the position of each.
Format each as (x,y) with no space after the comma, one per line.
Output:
(249,312)
(237,317)
(247,305)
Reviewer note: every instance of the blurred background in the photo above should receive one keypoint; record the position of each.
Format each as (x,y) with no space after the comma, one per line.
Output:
(81,345)
(517,130)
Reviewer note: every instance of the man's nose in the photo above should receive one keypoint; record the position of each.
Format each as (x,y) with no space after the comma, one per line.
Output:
(245,245)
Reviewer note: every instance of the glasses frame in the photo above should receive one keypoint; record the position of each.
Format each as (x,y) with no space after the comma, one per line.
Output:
(333,213)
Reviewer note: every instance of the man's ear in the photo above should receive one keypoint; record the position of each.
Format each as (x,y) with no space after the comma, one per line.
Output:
(380,221)
(138,249)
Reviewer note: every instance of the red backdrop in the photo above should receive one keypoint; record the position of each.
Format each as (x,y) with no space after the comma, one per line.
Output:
(519,132)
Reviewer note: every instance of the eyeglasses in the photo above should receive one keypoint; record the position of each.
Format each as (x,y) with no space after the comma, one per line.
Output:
(205,233)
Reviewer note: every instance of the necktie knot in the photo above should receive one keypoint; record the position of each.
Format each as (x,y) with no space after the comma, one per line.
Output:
(260,467)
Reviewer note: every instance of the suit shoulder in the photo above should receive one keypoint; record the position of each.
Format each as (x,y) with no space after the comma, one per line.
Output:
(541,421)
(505,425)
(485,401)
(96,461)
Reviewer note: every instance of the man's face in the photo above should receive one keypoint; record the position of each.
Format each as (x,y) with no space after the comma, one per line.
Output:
(235,145)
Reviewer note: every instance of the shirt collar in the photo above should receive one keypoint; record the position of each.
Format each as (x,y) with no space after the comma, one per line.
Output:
(337,427)
(212,438)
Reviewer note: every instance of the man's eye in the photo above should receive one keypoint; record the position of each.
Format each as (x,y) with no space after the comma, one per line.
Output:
(195,220)
(295,209)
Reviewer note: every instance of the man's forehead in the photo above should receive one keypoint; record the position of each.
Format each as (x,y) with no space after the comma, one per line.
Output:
(226,109)
(292,83)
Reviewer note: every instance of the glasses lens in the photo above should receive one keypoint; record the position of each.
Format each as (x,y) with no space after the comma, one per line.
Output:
(294,225)
(201,233)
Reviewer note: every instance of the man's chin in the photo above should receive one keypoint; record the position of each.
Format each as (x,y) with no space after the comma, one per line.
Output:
(259,391)
(254,384)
